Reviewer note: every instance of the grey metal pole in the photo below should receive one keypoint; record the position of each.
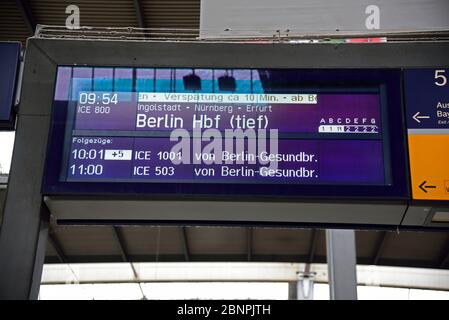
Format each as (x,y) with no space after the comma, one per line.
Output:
(24,229)
(24,226)
(292,290)
(341,261)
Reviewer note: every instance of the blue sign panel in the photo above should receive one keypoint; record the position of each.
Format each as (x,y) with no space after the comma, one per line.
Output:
(9,63)
(427,98)
(427,106)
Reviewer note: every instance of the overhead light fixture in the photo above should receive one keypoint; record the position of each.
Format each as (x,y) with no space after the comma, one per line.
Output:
(192,81)
(441,216)
(227,83)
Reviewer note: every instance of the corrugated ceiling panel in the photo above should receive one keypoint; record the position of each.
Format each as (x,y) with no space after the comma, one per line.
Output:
(367,243)
(281,241)
(217,241)
(12,25)
(95,13)
(87,241)
(150,241)
(50,251)
(425,246)
(172,13)
(220,243)
(183,14)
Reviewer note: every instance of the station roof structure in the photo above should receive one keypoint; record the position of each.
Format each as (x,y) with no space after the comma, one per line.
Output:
(74,244)
(78,244)
(19,18)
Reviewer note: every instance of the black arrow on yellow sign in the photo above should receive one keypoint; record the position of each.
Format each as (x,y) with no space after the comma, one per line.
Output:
(423,186)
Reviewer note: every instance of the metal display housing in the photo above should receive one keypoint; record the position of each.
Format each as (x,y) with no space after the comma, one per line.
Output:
(44,55)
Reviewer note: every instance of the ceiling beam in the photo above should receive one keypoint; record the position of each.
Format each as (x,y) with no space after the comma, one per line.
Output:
(139,13)
(185,241)
(25,11)
(123,252)
(119,238)
(380,247)
(57,246)
(313,245)
(312,249)
(444,261)
(249,243)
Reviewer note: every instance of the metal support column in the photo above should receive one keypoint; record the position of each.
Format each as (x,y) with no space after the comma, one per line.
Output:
(24,228)
(341,261)
(293,290)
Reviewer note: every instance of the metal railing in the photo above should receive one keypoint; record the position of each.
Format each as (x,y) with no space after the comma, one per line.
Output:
(185,34)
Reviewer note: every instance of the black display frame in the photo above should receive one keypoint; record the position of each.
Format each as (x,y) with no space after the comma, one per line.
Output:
(387,80)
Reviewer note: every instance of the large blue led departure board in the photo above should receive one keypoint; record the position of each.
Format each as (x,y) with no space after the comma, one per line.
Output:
(149,128)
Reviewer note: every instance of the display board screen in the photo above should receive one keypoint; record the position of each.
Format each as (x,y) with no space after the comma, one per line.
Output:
(9,66)
(221,126)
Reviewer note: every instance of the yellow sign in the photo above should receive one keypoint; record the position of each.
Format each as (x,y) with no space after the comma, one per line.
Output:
(429,166)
